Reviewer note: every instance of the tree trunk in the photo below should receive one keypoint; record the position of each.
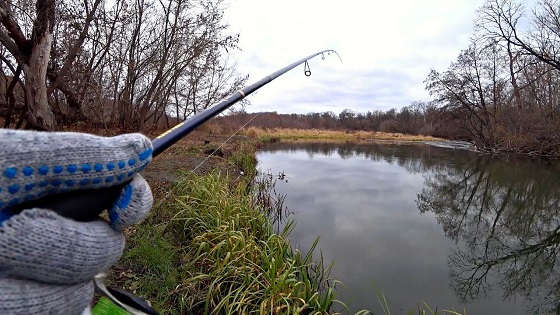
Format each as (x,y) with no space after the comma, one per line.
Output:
(516,92)
(35,70)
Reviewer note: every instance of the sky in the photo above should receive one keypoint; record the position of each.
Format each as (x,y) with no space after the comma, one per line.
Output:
(387,49)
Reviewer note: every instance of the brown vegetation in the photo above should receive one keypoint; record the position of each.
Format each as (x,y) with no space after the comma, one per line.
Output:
(505,85)
(286,134)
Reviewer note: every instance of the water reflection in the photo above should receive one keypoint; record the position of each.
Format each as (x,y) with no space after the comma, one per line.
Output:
(507,215)
(499,219)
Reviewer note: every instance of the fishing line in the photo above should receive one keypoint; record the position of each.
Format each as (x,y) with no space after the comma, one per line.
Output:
(223,143)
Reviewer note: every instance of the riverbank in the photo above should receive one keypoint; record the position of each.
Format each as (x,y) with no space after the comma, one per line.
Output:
(209,245)
(314,135)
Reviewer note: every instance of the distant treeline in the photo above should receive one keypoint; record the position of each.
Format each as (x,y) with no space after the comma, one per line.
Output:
(418,119)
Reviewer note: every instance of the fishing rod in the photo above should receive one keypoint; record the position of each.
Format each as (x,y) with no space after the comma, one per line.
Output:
(171,136)
(87,204)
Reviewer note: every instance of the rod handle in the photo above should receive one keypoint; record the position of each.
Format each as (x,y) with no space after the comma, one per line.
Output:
(80,205)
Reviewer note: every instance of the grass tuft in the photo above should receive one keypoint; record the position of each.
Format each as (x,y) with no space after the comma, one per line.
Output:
(237,263)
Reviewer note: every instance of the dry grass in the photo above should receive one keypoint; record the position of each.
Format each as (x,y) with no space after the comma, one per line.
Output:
(330,135)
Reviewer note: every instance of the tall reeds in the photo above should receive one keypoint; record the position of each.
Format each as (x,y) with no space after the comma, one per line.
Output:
(236,262)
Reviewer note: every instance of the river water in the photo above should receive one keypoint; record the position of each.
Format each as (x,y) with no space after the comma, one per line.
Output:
(419,223)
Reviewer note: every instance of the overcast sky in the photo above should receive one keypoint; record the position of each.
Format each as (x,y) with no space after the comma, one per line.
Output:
(387,48)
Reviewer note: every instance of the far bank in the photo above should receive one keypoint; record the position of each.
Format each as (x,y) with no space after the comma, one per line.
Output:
(320,135)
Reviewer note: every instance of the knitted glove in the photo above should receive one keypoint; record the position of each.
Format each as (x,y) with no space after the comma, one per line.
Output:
(47,262)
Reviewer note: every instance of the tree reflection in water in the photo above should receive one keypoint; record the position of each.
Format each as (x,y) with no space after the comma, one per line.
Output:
(504,217)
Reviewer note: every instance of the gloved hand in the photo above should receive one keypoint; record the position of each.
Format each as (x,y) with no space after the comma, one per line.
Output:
(47,262)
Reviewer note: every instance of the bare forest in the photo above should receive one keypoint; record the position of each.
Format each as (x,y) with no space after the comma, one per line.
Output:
(505,85)
(147,64)
(127,64)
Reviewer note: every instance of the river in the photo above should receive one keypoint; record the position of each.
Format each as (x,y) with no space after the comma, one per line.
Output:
(451,228)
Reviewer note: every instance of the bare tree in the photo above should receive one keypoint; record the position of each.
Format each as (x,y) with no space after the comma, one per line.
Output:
(125,63)
(33,57)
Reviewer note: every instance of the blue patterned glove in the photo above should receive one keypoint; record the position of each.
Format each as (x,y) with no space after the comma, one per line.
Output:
(47,262)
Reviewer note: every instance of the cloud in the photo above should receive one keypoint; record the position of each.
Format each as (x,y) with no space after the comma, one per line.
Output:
(387,48)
